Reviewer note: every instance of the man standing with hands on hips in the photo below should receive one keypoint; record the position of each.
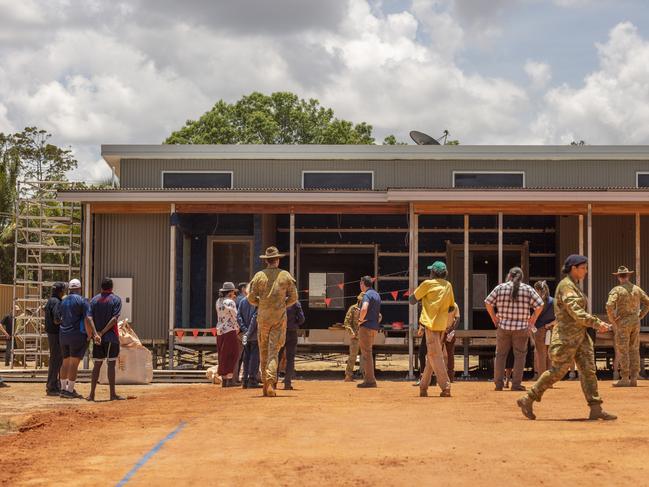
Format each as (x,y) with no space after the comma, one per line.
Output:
(368,321)
(512,300)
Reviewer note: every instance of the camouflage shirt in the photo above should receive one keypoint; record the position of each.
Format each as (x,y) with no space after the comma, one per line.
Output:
(570,305)
(627,303)
(272,291)
(351,319)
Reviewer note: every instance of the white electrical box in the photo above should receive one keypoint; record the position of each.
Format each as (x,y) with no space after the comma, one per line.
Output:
(123,287)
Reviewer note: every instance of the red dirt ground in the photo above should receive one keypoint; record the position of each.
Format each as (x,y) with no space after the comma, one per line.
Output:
(325,433)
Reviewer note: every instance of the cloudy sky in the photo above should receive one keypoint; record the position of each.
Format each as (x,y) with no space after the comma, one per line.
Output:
(489,71)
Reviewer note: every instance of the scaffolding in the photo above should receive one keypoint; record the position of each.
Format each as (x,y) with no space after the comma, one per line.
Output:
(47,250)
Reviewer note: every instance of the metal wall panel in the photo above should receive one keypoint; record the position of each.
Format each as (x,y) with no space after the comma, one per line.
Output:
(147,173)
(137,246)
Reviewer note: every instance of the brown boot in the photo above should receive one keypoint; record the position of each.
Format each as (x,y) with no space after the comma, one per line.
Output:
(633,383)
(270,389)
(596,412)
(423,392)
(622,383)
(349,378)
(445,393)
(526,403)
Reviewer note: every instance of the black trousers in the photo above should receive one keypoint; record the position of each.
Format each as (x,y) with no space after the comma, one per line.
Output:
(290,347)
(56,360)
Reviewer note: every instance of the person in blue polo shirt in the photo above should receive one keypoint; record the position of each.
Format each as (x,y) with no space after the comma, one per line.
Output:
(73,336)
(105,308)
(369,326)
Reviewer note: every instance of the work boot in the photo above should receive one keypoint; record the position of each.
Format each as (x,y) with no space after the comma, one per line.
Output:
(423,392)
(526,403)
(622,383)
(445,392)
(596,412)
(270,389)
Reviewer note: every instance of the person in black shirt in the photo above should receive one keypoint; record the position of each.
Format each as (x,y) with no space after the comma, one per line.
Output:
(52,322)
(6,330)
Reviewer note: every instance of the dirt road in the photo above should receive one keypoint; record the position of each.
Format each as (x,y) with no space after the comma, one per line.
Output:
(328,433)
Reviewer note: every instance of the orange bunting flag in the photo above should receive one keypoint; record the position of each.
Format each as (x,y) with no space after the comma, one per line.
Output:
(394,294)
(341,286)
(195,333)
(180,334)
(327,301)
(213,330)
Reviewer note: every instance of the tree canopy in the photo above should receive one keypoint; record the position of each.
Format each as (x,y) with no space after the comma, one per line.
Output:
(279,118)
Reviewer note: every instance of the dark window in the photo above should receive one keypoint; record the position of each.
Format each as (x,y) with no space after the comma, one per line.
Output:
(197,180)
(338,180)
(490,180)
(643,180)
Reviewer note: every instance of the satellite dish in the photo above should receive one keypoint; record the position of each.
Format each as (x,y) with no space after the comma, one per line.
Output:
(421,138)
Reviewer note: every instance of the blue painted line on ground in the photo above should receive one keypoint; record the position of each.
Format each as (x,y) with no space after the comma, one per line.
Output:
(142,461)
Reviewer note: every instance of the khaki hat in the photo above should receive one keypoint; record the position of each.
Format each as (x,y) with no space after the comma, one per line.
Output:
(74,284)
(622,270)
(272,253)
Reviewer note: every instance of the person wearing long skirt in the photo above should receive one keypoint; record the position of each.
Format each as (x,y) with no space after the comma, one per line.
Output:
(227,329)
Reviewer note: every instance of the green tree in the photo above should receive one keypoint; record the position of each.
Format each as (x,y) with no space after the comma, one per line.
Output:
(26,155)
(279,118)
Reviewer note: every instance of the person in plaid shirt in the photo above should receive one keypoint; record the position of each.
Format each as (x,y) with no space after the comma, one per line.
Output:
(509,306)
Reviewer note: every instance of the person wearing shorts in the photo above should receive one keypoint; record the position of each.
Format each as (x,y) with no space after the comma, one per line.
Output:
(105,309)
(73,337)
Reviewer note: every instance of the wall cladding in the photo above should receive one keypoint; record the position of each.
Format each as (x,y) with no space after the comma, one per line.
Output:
(147,173)
(137,246)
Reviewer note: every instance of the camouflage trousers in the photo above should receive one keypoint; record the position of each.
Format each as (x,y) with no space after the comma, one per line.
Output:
(627,349)
(271,337)
(563,355)
(354,351)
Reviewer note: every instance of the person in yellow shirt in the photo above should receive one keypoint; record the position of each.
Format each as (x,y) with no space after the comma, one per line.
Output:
(437,299)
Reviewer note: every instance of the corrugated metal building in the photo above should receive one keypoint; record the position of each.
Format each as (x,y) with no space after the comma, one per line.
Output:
(185,218)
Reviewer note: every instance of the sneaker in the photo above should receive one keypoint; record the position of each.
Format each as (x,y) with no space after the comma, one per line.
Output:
(622,383)
(366,385)
(56,393)
(76,395)
(66,395)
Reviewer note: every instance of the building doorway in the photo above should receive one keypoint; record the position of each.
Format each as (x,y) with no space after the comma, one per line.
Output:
(483,276)
(228,259)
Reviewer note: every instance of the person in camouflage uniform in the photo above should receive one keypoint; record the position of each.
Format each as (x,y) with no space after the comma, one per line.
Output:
(351,325)
(272,291)
(570,342)
(627,304)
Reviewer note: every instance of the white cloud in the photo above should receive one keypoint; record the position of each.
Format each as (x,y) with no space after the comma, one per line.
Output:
(612,106)
(539,73)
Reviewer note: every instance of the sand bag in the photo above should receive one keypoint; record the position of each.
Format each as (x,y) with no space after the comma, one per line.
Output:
(212,375)
(127,336)
(134,366)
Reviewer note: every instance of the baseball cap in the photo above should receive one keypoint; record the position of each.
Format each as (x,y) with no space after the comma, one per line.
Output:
(74,284)
(437,266)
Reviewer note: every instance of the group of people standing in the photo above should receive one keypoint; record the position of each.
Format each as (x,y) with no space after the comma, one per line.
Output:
(255,323)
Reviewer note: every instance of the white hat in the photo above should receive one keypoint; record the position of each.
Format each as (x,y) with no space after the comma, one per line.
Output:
(74,284)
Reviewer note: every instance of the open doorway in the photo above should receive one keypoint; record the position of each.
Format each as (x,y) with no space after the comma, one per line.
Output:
(483,276)
(228,259)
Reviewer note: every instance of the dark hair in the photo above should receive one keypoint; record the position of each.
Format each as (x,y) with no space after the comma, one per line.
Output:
(439,274)
(224,294)
(273,261)
(367,281)
(106,284)
(516,275)
(241,286)
(58,288)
